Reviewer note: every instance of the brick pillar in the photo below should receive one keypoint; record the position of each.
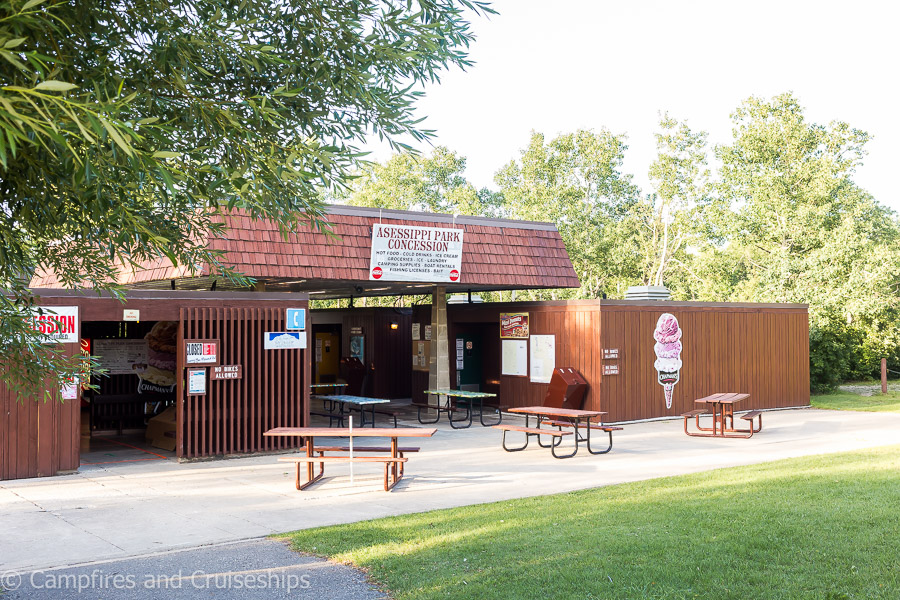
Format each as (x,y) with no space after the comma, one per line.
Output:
(439,361)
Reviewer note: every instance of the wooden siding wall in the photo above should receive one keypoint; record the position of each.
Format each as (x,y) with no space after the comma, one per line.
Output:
(762,350)
(38,438)
(232,416)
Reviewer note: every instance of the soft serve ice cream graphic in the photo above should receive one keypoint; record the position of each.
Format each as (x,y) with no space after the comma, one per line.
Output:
(668,353)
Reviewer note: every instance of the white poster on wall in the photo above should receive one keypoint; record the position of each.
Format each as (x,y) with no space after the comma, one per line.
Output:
(58,322)
(543,357)
(515,358)
(118,357)
(407,253)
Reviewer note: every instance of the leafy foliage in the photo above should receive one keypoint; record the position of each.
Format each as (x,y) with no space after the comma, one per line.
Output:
(126,128)
(434,183)
(669,222)
(575,181)
(806,233)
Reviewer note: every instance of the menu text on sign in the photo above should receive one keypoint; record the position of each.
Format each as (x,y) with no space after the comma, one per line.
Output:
(407,253)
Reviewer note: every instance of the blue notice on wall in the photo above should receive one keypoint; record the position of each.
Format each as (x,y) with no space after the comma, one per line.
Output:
(295,318)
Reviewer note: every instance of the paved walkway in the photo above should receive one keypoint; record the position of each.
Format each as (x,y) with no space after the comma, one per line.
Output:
(233,571)
(122,510)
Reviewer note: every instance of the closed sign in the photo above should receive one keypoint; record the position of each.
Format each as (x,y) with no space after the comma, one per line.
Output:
(201,352)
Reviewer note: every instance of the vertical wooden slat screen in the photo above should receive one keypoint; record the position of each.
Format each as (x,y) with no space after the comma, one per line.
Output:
(38,438)
(232,416)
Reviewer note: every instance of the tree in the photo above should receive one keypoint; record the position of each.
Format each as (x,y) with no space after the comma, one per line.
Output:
(575,182)
(433,183)
(672,219)
(128,127)
(804,232)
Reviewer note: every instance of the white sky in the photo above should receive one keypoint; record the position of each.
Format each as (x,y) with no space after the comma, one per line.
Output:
(557,66)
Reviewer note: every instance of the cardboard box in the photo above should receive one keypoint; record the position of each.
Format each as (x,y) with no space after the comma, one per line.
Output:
(161,430)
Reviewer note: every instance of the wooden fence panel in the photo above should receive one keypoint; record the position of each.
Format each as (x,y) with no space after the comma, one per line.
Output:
(233,414)
(38,438)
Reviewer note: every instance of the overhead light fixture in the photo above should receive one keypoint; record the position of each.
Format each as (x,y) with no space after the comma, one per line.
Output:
(394,325)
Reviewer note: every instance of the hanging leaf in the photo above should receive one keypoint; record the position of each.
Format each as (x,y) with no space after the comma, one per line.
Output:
(52,85)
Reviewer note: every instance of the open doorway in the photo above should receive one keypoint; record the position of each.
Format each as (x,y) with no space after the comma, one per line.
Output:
(130,415)
(327,359)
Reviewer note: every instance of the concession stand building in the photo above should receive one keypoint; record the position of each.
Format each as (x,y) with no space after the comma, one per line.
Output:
(206,368)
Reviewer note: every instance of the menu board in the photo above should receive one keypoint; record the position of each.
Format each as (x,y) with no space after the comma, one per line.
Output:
(543,357)
(119,356)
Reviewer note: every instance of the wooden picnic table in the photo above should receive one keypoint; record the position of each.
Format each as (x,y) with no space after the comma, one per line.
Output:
(454,397)
(559,418)
(393,464)
(722,406)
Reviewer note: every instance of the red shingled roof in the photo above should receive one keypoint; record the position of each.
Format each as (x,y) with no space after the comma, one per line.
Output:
(497,254)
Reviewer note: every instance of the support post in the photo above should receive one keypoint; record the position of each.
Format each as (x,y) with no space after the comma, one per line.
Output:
(884,376)
(439,361)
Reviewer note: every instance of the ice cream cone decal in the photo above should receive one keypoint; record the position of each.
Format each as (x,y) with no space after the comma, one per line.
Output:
(668,354)
(667,388)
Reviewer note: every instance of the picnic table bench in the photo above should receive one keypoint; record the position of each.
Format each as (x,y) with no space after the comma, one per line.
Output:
(393,463)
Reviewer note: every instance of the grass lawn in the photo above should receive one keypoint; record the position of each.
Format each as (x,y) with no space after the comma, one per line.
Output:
(823,527)
(847,401)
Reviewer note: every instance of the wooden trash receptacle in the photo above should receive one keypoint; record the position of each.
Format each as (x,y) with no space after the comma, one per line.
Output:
(567,389)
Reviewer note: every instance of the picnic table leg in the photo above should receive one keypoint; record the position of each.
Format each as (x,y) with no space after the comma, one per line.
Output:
(558,440)
(437,412)
(467,421)
(481,416)
(527,438)
(397,466)
(310,467)
(392,468)
(553,442)
(608,448)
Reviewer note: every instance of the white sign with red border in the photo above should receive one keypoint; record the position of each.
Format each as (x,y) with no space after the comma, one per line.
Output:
(60,323)
(408,253)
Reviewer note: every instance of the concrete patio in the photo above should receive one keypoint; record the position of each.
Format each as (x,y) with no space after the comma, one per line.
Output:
(120,510)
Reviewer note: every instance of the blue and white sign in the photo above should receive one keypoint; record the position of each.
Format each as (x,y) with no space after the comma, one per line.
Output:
(284,340)
(295,318)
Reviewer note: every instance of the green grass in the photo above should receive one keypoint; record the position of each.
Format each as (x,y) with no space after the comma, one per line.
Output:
(847,401)
(824,527)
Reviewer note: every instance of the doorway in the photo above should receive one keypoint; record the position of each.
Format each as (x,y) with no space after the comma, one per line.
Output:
(327,345)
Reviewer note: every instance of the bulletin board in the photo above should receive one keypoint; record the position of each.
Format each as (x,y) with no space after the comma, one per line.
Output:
(543,357)
(421,352)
